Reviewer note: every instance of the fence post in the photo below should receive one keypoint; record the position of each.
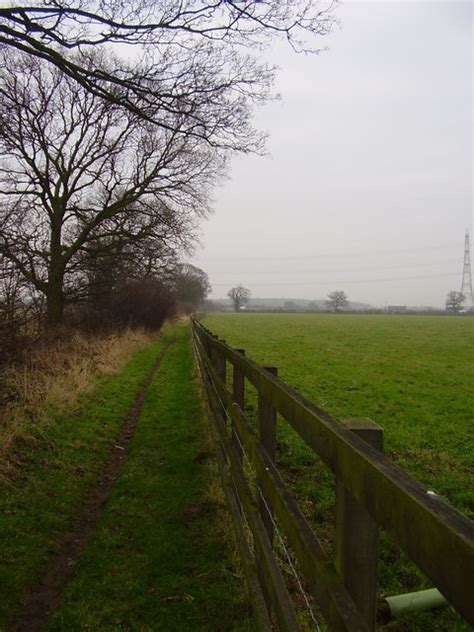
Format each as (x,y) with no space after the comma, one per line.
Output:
(219,361)
(267,435)
(238,396)
(357,535)
(212,351)
(207,344)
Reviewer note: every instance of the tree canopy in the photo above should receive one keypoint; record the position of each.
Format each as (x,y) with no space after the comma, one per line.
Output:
(195,58)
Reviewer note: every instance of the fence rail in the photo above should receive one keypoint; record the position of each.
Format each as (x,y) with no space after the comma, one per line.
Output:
(372,492)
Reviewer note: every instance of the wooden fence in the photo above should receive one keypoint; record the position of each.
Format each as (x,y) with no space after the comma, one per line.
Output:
(371,493)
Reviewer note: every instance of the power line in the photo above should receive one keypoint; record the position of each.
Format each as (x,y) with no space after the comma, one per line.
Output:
(371,267)
(346,282)
(329,255)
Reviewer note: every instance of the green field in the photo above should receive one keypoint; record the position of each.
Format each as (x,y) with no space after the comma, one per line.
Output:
(412,375)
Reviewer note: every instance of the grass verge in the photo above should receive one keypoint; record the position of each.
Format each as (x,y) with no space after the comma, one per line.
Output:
(56,471)
(159,559)
(52,379)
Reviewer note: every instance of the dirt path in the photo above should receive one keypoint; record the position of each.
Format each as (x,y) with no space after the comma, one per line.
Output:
(45,598)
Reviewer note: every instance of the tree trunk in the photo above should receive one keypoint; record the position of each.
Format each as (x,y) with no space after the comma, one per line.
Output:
(54,293)
(54,303)
(54,308)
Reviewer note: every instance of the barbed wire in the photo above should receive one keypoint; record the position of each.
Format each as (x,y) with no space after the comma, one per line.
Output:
(275,526)
(281,539)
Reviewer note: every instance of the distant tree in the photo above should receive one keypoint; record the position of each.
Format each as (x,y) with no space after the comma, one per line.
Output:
(191,285)
(240,296)
(455,301)
(337,300)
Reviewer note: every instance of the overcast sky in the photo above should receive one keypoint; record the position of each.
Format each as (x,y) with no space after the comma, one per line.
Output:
(368,187)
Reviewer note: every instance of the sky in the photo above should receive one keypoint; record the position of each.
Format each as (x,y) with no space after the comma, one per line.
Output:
(368,186)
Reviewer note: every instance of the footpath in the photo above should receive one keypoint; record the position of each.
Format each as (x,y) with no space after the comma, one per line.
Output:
(118,520)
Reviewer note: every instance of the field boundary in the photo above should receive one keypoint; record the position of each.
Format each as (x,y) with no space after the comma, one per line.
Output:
(372,492)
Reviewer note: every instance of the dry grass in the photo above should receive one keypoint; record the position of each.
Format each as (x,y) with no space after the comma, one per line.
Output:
(51,378)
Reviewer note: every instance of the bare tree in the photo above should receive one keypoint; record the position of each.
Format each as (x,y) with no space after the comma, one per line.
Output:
(240,296)
(171,43)
(337,300)
(455,301)
(80,180)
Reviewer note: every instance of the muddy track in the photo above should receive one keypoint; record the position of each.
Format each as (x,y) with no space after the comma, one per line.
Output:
(45,597)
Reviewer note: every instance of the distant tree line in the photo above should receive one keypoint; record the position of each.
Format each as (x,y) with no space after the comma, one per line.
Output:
(337,301)
(240,296)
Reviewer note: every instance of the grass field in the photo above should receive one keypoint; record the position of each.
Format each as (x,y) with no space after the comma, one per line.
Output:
(412,375)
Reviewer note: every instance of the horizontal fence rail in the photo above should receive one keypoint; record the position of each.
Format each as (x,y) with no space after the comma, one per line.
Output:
(372,492)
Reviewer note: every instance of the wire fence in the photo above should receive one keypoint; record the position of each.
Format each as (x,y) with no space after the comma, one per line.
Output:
(269,513)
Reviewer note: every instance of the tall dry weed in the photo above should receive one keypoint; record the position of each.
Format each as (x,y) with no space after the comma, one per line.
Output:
(50,379)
